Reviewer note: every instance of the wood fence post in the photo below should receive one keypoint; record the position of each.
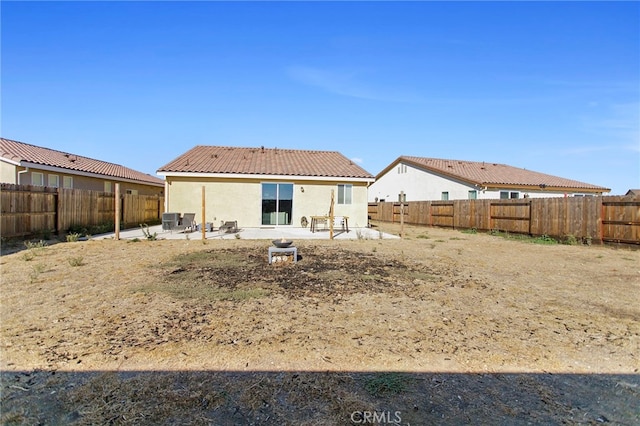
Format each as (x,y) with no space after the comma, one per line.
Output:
(401,214)
(203,226)
(117,218)
(331,217)
(58,215)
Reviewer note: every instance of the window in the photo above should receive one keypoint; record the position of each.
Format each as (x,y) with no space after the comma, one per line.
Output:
(344,194)
(107,187)
(402,168)
(505,195)
(37,178)
(473,195)
(402,197)
(445,196)
(53,180)
(277,203)
(67,182)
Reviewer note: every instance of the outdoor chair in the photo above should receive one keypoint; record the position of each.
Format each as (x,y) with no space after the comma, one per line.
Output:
(186,222)
(229,227)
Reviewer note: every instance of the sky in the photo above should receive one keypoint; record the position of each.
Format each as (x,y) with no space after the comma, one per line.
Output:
(547,86)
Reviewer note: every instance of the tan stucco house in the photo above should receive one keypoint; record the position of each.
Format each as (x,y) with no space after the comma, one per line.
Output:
(425,179)
(25,164)
(265,187)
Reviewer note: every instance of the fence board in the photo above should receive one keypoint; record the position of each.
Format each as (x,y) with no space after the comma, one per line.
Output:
(593,218)
(442,213)
(39,201)
(621,219)
(29,210)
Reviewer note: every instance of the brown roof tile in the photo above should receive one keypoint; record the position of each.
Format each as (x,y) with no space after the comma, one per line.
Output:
(21,152)
(494,174)
(265,161)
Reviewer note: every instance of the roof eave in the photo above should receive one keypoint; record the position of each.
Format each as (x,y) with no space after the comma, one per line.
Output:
(10,161)
(545,188)
(263,176)
(87,174)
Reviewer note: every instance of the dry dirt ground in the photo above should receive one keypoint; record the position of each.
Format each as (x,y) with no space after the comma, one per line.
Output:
(441,327)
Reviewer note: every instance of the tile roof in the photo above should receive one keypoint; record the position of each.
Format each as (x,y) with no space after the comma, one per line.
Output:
(494,174)
(265,161)
(20,152)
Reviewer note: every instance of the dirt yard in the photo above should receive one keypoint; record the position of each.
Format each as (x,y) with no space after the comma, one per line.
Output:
(441,327)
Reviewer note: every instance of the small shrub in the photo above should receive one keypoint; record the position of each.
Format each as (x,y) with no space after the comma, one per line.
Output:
(36,270)
(76,261)
(147,234)
(469,231)
(35,245)
(35,248)
(28,256)
(73,237)
(570,240)
(544,239)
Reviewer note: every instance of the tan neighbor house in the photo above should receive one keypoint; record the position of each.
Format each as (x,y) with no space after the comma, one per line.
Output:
(265,187)
(25,164)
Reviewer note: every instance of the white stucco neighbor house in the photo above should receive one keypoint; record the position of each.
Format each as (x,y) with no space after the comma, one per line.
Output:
(425,179)
(265,187)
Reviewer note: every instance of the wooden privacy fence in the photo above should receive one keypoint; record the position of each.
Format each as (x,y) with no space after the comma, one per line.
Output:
(601,219)
(30,210)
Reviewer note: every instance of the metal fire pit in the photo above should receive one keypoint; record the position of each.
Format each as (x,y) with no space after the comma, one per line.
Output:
(285,251)
(282,243)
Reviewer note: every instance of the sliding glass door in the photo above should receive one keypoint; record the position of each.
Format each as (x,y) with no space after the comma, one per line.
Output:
(277,203)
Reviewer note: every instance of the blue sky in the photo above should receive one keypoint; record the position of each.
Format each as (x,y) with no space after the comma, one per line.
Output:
(547,86)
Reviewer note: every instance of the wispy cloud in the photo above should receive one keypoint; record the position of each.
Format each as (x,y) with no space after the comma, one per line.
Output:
(620,122)
(348,83)
(357,160)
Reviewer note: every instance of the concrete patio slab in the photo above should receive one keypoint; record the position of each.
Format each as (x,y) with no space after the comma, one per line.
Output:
(252,234)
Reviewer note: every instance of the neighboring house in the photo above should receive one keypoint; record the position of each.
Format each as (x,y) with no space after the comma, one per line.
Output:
(632,193)
(423,179)
(261,187)
(25,164)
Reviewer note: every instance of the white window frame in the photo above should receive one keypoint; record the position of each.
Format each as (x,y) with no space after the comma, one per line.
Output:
(37,178)
(509,195)
(444,196)
(53,181)
(67,182)
(345,193)
(473,194)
